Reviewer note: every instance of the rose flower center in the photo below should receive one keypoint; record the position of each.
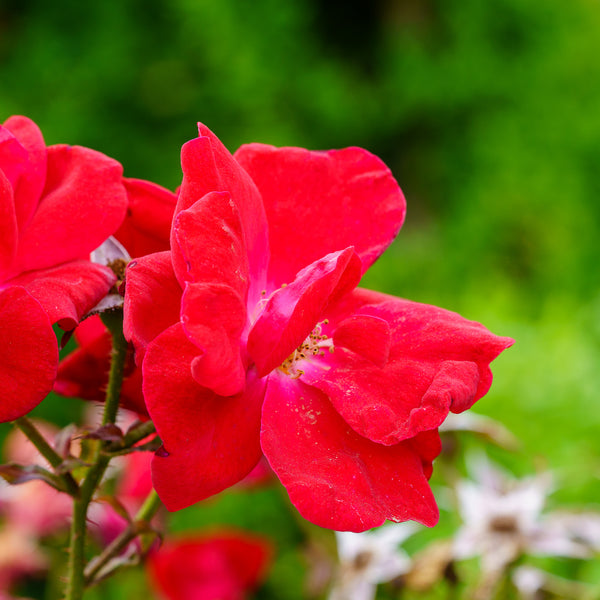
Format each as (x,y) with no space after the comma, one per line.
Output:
(312,347)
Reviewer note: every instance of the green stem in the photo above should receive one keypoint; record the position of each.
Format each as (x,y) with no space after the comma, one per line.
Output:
(151,505)
(76,577)
(114,323)
(44,448)
(114,549)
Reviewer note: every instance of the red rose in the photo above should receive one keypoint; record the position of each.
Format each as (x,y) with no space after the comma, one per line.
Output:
(57,204)
(253,336)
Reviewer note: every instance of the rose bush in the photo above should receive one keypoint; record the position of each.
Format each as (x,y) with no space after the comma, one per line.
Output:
(254,338)
(57,204)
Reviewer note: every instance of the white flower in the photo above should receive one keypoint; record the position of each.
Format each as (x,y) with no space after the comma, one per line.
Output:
(533,583)
(370,558)
(582,527)
(529,581)
(503,520)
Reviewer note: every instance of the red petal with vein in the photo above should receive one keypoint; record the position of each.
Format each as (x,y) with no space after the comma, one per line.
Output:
(146,229)
(152,300)
(84,202)
(28,353)
(30,183)
(336,478)
(8,226)
(210,442)
(210,238)
(213,316)
(293,311)
(438,362)
(320,202)
(209,167)
(69,291)
(84,372)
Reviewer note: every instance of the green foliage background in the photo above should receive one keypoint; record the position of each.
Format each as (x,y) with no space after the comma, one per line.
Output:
(488,114)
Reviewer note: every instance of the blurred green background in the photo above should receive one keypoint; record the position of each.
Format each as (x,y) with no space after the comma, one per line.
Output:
(488,113)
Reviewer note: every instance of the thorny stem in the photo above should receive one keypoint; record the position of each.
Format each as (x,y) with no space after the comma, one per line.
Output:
(48,452)
(139,524)
(114,323)
(76,579)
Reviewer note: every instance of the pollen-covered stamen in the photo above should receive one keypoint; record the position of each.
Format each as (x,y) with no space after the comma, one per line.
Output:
(316,344)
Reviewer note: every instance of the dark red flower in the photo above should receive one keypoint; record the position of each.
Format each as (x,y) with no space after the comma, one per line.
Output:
(84,372)
(252,328)
(57,204)
(220,566)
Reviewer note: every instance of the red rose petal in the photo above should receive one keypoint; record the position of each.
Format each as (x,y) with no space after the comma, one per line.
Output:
(378,403)
(321,202)
(431,334)
(210,442)
(213,316)
(292,312)
(152,300)
(147,226)
(336,478)
(8,226)
(28,353)
(84,372)
(209,167)
(83,202)
(366,336)
(30,182)
(88,331)
(438,362)
(69,291)
(13,157)
(211,240)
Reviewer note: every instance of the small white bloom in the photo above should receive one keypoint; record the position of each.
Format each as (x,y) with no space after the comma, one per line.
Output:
(370,558)
(503,519)
(582,528)
(529,581)
(533,583)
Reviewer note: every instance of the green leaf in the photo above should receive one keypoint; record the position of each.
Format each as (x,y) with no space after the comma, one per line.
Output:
(16,474)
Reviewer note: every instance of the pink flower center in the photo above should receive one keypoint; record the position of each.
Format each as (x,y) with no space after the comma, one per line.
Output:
(313,346)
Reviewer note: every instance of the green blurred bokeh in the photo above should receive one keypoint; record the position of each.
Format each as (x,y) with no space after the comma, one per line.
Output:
(488,113)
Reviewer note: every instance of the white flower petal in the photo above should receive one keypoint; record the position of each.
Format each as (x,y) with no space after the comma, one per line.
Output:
(355,589)
(109,251)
